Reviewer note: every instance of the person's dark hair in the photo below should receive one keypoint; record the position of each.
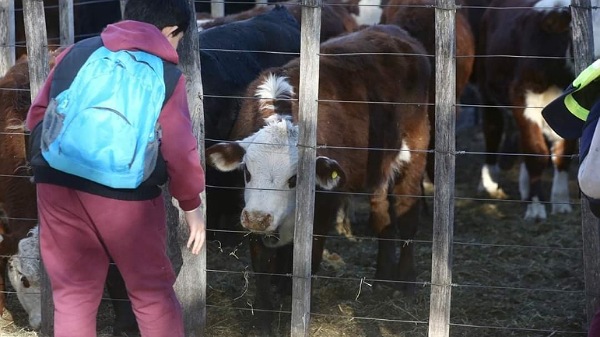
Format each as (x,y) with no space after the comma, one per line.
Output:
(160,13)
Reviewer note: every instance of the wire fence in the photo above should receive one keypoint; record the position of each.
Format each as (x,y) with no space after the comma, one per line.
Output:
(550,303)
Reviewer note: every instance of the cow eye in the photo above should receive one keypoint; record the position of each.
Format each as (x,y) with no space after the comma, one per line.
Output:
(25,282)
(247,175)
(292,181)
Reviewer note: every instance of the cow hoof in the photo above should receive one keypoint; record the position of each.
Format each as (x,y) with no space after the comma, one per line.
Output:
(488,183)
(535,211)
(561,208)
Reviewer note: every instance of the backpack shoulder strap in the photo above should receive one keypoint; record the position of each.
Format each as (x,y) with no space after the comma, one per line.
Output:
(67,69)
(171,75)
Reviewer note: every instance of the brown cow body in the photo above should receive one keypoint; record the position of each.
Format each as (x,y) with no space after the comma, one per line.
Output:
(418,18)
(391,175)
(17,192)
(539,33)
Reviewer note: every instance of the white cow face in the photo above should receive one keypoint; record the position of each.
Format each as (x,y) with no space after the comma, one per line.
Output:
(269,159)
(24,275)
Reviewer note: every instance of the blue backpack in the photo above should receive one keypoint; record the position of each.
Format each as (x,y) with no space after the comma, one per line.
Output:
(103,127)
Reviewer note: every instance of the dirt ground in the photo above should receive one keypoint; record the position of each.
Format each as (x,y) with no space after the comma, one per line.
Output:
(511,277)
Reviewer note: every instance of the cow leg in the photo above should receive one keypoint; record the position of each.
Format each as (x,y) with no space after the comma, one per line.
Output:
(533,145)
(561,159)
(264,262)
(3,264)
(407,228)
(379,220)
(125,323)
(493,130)
(406,213)
(285,256)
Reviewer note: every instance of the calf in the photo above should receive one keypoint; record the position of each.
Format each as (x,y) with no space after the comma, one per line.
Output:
(418,18)
(389,68)
(231,56)
(539,32)
(24,275)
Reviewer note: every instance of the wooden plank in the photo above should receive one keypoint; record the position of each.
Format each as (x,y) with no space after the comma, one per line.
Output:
(191,281)
(7,35)
(37,44)
(445,168)
(66,19)
(583,51)
(308,92)
(217,8)
(123,2)
(37,51)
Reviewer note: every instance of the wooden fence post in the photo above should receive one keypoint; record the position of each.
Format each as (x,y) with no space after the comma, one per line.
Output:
(191,281)
(66,20)
(7,35)
(581,23)
(308,92)
(37,53)
(217,8)
(122,3)
(445,169)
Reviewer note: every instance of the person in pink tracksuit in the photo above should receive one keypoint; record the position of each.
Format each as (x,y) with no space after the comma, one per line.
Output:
(83,225)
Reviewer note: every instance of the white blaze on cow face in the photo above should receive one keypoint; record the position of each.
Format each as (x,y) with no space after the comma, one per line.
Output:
(24,275)
(270,162)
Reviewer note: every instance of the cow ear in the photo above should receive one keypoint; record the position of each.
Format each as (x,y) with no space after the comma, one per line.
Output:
(225,157)
(330,174)
(557,22)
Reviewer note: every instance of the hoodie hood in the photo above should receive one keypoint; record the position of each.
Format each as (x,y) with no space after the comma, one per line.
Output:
(135,35)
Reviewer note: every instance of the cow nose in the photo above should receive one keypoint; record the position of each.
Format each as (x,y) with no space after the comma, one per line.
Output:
(256,221)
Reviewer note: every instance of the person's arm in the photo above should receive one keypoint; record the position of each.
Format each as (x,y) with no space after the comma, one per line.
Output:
(179,148)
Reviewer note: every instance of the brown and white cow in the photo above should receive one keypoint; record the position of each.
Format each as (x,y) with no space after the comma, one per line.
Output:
(418,18)
(398,134)
(525,64)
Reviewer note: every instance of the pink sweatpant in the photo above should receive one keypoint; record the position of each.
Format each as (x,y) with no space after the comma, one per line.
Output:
(79,232)
(595,325)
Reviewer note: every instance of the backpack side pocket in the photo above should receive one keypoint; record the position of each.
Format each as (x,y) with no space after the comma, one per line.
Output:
(52,124)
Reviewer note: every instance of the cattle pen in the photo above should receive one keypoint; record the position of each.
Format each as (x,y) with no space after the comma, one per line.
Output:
(481,269)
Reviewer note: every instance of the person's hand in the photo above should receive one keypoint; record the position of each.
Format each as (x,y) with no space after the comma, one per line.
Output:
(195,221)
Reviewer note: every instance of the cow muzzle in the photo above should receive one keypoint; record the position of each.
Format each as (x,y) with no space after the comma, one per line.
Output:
(256,221)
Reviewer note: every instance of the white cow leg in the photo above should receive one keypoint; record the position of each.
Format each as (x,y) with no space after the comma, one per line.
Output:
(489,182)
(560,193)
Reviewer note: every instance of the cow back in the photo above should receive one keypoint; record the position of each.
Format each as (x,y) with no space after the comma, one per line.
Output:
(539,36)
(233,55)
(336,19)
(381,64)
